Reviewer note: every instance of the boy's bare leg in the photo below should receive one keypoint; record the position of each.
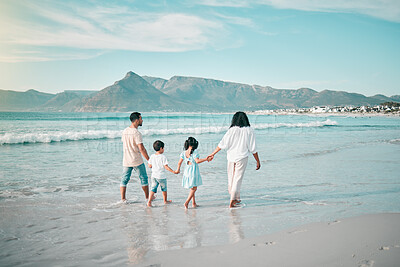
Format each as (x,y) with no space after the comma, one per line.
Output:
(166,201)
(150,199)
(123,192)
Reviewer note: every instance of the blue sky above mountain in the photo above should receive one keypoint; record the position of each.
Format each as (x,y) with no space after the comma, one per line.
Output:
(337,45)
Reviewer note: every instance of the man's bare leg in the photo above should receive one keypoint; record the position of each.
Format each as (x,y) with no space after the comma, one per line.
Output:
(146,191)
(123,192)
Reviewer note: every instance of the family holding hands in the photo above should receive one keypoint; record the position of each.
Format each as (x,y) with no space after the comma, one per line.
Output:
(238,141)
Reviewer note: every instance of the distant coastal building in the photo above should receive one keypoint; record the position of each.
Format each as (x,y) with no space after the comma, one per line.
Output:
(385,108)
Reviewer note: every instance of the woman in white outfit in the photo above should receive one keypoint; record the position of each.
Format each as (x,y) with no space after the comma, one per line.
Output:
(239,141)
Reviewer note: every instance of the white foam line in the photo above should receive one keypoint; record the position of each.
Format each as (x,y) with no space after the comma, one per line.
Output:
(21,138)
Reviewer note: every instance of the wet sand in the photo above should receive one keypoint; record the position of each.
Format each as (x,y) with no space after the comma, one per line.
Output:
(369,240)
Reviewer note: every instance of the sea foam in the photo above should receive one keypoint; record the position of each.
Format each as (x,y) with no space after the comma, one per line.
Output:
(48,137)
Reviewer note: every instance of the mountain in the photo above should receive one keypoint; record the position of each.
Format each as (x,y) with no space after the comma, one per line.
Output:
(17,101)
(395,98)
(180,93)
(65,101)
(130,93)
(233,96)
(340,98)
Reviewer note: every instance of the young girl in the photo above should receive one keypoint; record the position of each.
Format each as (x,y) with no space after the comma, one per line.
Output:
(191,176)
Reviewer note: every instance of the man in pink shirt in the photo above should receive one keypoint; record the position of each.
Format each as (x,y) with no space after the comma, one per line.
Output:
(133,152)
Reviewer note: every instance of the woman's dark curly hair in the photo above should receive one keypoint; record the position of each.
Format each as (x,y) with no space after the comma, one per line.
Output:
(240,119)
(191,141)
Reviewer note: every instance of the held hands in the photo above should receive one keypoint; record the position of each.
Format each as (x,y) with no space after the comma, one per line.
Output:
(177,171)
(210,158)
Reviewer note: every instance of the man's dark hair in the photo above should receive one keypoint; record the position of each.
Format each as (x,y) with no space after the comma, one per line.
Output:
(157,145)
(240,119)
(191,141)
(135,116)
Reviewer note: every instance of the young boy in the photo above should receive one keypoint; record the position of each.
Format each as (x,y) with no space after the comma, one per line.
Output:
(158,163)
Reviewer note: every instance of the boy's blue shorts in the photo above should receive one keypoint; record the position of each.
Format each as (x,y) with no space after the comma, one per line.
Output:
(155,182)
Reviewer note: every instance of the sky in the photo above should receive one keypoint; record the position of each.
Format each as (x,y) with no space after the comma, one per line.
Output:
(341,45)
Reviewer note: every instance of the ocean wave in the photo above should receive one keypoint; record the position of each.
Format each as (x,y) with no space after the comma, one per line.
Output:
(327,122)
(48,137)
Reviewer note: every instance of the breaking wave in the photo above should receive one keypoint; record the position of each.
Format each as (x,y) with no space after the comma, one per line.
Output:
(48,137)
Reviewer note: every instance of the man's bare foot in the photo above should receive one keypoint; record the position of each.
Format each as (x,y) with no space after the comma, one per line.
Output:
(186,205)
(149,204)
(167,202)
(195,205)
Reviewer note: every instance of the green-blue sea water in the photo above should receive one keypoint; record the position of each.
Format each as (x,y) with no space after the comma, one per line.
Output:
(60,175)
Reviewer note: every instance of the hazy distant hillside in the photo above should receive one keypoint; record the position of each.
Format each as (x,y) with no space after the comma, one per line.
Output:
(339,98)
(130,93)
(17,101)
(395,98)
(65,101)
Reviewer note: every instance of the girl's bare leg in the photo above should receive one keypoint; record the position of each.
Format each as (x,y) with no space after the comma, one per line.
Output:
(191,194)
(194,204)
(193,201)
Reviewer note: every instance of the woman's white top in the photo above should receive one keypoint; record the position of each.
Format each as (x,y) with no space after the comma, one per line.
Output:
(239,142)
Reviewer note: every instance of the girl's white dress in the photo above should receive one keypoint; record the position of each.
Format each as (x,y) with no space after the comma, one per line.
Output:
(191,175)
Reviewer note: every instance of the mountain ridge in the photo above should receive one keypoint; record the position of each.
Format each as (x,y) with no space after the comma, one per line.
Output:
(181,93)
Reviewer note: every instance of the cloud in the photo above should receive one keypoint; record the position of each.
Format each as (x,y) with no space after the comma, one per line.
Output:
(224,3)
(383,9)
(41,55)
(106,28)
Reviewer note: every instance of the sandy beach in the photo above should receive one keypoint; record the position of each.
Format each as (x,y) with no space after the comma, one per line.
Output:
(368,240)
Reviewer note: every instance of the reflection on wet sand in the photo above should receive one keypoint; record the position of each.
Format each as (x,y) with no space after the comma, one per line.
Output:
(161,228)
(235,226)
(193,234)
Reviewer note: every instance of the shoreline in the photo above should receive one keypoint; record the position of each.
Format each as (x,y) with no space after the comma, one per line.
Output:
(324,114)
(367,240)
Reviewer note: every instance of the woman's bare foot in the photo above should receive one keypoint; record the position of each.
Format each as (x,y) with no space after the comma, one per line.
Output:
(149,204)
(167,202)
(233,203)
(194,205)
(186,205)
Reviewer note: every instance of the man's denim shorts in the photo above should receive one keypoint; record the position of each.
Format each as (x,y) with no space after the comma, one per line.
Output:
(141,170)
(155,182)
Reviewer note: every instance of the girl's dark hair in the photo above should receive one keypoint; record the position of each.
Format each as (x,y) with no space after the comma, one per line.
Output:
(157,145)
(240,119)
(191,141)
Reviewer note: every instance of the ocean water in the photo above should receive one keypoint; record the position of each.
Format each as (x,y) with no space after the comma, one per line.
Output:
(60,175)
